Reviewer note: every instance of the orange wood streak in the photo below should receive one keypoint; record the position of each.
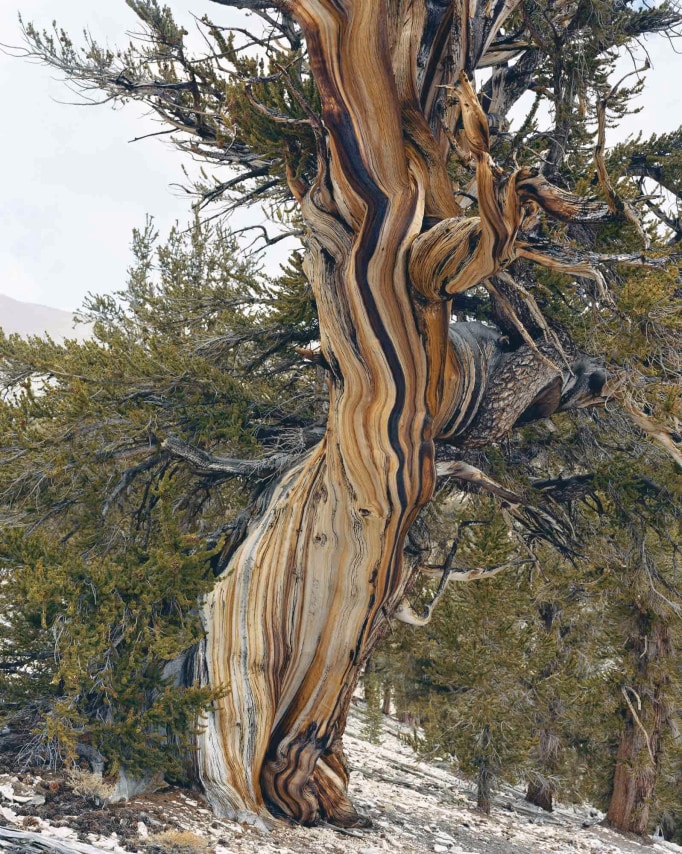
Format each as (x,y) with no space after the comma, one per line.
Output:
(424,152)
(458,253)
(358,39)
(427,162)
(307,593)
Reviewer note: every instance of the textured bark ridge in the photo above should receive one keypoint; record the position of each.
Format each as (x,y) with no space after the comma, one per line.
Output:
(311,589)
(640,749)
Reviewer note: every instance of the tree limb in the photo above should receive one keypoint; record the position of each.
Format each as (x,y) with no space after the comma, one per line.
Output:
(616,204)
(470,474)
(206,463)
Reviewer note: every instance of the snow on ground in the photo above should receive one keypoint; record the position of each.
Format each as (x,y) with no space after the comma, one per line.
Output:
(414,806)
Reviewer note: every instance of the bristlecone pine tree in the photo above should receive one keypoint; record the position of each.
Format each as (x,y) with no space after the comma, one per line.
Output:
(361,124)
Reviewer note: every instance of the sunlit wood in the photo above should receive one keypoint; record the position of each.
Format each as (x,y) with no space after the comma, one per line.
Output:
(320,575)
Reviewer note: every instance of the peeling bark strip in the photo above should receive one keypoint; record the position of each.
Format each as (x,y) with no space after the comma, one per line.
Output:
(309,592)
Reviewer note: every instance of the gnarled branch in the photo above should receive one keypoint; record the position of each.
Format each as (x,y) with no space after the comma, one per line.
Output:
(206,463)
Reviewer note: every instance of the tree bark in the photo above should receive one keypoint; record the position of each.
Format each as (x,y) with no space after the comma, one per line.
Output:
(386,701)
(310,591)
(541,785)
(483,789)
(486,774)
(647,716)
(307,595)
(540,796)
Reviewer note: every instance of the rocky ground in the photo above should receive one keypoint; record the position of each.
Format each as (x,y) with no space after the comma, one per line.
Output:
(414,806)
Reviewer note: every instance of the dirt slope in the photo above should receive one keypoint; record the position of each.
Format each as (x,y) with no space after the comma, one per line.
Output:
(414,807)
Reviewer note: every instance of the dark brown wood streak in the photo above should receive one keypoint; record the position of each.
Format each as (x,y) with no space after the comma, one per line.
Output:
(312,587)
(305,597)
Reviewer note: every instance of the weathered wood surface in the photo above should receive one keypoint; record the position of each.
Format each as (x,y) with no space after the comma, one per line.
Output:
(27,842)
(313,586)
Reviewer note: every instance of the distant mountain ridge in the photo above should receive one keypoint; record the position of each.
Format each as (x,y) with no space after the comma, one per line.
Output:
(27,318)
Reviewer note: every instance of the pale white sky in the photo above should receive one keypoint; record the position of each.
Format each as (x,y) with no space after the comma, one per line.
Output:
(74,187)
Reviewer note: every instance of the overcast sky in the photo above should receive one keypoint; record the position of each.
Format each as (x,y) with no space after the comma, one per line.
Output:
(73,186)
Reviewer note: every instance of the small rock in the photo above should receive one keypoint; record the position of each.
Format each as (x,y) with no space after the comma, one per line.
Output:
(14,790)
(142,830)
(9,794)
(129,786)
(61,832)
(8,814)
(441,849)
(103,842)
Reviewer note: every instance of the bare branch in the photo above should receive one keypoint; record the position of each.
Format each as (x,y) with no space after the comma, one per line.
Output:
(470,474)
(616,204)
(251,5)
(127,478)
(206,463)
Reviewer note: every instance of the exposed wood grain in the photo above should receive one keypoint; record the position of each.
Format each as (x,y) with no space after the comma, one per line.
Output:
(310,590)
(304,599)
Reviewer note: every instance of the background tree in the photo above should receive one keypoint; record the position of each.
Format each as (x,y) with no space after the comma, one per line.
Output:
(364,118)
(567,666)
(107,540)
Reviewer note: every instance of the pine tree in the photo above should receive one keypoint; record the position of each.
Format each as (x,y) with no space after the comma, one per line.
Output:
(109,539)
(360,124)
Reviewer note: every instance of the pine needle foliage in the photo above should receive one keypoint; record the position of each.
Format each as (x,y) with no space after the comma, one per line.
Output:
(107,541)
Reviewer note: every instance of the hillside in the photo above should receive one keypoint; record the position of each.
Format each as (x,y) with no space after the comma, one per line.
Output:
(27,318)
(415,808)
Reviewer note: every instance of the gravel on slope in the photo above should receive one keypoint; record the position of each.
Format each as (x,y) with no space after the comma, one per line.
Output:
(415,807)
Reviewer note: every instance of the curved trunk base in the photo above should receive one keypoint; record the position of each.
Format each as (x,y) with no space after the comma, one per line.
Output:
(288,627)
(326,797)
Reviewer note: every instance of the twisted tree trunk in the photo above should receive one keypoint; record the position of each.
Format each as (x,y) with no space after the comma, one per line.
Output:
(311,589)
